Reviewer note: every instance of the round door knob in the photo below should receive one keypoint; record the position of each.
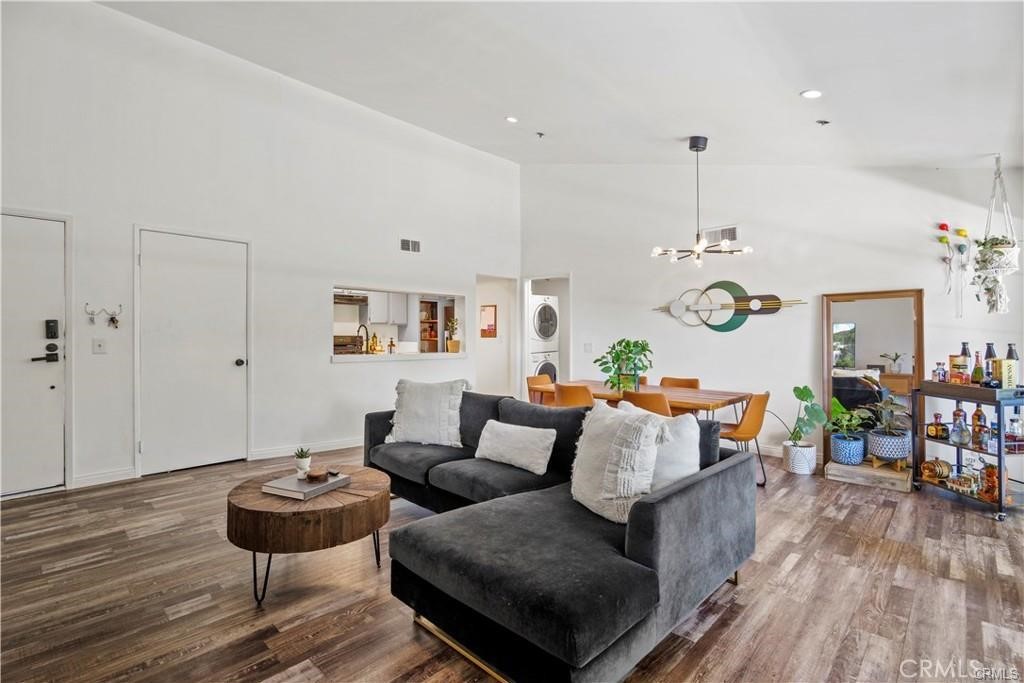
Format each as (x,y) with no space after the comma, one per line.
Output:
(239,362)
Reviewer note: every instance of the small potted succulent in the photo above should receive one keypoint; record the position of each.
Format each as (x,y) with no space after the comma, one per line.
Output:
(624,362)
(845,425)
(303,458)
(453,345)
(799,456)
(890,439)
(996,256)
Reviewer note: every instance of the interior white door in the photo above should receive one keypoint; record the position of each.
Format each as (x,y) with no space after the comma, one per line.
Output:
(192,351)
(33,373)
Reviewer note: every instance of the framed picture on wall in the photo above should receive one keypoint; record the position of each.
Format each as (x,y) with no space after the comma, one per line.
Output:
(489,321)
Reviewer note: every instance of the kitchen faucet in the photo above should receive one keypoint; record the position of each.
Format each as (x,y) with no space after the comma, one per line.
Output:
(366,339)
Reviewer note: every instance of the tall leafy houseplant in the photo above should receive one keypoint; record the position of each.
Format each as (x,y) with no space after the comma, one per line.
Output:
(624,362)
(799,456)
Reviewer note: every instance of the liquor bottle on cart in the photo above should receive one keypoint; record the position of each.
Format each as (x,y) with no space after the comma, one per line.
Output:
(938,429)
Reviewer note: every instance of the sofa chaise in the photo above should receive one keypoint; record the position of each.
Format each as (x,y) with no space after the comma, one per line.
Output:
(533,583)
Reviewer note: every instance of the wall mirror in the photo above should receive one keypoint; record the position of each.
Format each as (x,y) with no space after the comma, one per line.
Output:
(872,347)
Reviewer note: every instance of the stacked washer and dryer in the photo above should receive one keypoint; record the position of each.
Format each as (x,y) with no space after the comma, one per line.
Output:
(543,342)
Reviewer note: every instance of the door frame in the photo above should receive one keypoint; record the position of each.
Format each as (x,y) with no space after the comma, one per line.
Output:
(138,229)
(69,338)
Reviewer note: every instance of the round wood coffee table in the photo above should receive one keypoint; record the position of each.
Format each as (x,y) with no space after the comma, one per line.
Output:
(265,523)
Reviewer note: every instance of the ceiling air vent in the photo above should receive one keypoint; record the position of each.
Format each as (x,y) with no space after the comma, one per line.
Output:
(725,232)
(410,245)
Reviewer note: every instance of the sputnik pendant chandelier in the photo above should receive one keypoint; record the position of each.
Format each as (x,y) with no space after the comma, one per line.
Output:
(698,144)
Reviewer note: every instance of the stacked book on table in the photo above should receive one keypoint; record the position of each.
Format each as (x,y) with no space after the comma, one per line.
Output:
(301,489)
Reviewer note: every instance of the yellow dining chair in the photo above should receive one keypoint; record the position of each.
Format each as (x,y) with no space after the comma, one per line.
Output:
(531,382)
(573,395)
(653,401)
(749,427)
(681,382)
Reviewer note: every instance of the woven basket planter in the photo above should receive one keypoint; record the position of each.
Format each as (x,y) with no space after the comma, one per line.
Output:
(799,457)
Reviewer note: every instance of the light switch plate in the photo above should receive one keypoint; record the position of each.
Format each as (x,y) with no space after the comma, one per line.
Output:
(99,345)
(588,348)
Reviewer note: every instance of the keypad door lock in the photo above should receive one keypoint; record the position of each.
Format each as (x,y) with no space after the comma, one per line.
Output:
(49,358)
(52,329)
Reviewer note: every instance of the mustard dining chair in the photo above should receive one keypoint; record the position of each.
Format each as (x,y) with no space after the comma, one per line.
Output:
(573,395)
(749,427)
(653,401)
(681,382)
(531,382)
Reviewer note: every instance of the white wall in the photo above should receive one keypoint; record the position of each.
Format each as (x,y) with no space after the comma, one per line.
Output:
(494,355)
(882,326)
(117,122)
(814,230)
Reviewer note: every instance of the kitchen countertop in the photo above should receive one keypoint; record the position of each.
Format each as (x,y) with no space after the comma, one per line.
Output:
(343,358)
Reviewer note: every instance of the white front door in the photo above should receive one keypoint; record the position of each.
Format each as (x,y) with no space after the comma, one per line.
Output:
(192,351)
(33,354)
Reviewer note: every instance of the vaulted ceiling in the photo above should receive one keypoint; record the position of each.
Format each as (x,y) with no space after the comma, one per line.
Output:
(915,83)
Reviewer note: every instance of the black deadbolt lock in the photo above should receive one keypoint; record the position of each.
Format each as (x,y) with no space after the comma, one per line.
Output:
(239,362)
(52,330)
(51,347)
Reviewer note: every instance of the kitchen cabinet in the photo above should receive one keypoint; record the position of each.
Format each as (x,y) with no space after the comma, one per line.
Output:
(398,311)
(386,308)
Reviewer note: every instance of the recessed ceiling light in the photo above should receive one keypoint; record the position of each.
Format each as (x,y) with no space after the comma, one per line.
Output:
(810,94)
(511,119)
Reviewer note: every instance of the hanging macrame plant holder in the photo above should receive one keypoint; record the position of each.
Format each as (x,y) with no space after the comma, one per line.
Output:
(997,254)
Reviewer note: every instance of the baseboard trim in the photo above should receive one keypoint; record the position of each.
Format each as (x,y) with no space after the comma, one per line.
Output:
(773,451)
(98,478)
(317,447)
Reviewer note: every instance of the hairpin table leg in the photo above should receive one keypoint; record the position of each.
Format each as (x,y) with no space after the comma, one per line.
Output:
(257,594)
(376,546)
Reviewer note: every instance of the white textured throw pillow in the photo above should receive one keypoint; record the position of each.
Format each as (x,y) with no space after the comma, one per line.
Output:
(428,413)
(528,448)
(679,455)
(615,460)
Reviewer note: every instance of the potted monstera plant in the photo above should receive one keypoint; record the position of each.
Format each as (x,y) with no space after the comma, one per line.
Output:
(624,362)
(799,456)
(846,425)
(890,439)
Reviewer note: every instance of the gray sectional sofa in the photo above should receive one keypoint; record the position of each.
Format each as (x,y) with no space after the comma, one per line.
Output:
(533,583)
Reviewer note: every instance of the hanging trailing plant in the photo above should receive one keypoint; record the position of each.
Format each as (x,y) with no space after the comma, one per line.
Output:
(996,255)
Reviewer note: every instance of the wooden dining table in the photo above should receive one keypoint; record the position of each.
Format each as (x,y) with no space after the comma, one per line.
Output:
(679,399)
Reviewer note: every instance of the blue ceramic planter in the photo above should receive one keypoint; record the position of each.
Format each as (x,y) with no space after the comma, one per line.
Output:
(888,446)
(847,451)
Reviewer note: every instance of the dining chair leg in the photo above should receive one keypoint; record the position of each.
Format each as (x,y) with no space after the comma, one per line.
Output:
(764,475)
(736,412)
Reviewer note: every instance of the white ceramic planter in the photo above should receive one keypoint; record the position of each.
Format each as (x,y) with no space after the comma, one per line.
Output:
(799,457)
(302,467)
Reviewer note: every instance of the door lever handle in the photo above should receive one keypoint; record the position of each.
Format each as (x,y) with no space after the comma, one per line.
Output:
(49,358)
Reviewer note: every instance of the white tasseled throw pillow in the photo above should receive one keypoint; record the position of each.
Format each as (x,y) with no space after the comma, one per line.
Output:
(428,413)
(679,457)
(615,460)
(528,448)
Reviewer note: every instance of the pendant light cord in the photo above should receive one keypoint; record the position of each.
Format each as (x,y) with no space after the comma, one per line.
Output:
(697,152)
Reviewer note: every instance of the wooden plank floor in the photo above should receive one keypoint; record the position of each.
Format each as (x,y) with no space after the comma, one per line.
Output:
(135,581)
